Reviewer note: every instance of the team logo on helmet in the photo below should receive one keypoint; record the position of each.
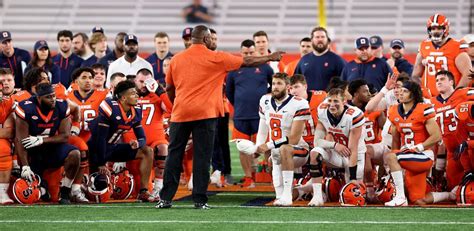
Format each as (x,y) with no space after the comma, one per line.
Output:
(25,192)
(352,195)
(123,185)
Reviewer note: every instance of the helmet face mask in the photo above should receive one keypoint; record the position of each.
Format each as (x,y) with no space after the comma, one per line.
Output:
(439,23)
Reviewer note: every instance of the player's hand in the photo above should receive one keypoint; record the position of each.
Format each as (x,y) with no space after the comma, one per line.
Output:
(342,150)
(262,148)
(391,62)
(27,174)
(119,166)
(151,85)
(32,141)
(391,81)
(134,144)
(276,56)
(460,150)
(104,170)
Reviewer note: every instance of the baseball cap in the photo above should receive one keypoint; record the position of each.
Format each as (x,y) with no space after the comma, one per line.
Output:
(397,43)
(41,44)
(130,37)
(469,38)
(187,32)
(376,41)
(98,29)
(5,35)
(361,42)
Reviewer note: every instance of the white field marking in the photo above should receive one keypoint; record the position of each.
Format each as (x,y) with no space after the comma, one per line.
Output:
(243,222)
(140,205)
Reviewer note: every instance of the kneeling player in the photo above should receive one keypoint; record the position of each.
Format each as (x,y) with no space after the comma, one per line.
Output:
(42,131)
(117,116)
(345,124)
(414,130)
(283,116)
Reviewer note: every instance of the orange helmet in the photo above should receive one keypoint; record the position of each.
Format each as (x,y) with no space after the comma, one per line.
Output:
(331,187)
(438,20)
(25,192)
(99,188)
(123,185)
(465,194)
(352,195)
(385,191)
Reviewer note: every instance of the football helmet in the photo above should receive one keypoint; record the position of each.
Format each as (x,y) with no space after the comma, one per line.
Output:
(352,195)
(331,187)
(123,185)
(25,192)
(438,20)
(99,188)
(385,191)
(465,194)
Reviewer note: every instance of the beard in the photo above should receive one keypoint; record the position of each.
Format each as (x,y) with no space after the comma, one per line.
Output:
(320,47)
(278,95)
(397,55)
(132,54)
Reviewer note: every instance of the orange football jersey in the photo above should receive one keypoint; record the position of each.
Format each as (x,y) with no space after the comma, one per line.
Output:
(372,127)
(6,107)
(411,125)
(291,67)
(465,116)
(437,59)
(445,109)
(315,98)
(89,108)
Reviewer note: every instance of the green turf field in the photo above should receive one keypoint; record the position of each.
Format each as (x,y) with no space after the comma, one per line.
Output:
(228,214)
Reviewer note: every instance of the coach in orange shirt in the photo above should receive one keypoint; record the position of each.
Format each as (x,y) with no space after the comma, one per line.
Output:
(194,84)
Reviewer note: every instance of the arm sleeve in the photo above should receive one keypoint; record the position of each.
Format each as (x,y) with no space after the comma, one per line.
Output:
(262,132)
(140,134)
(101,142)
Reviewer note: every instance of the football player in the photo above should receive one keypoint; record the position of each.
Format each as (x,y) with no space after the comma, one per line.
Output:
(6,134)
(445,105)
(42,130)
(347,150)
(440,52)
(88,101)
(465,150)
(414,131)
(153,103)
(117,116)
(283,117)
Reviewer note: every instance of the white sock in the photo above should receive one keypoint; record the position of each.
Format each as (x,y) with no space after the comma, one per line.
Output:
(318,191)
(3,188)
(277,181)
(66,182)
(76,188)
(399,184)
(287,184)
(440,196)
(158,183)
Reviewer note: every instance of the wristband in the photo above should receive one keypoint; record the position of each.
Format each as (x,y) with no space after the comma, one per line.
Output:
(277,143)
(384,90)
(353,173)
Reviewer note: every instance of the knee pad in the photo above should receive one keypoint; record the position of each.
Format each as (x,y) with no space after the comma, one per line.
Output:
(316,170)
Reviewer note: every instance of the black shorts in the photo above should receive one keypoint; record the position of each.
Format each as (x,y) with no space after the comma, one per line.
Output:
(48,156)
(120,153)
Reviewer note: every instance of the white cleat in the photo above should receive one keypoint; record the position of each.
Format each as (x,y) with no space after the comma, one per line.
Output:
(5,200)
(284,202)
(315,202)
(156,192)
(452,194)
(397,202)
(216,178)
(79,197)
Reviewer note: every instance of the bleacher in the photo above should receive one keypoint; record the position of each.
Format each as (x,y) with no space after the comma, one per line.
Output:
(286,21)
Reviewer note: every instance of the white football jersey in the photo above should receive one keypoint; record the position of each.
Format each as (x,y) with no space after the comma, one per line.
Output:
(279,117)
(352,118)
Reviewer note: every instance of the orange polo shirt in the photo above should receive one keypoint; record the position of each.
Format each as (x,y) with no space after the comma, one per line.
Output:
(198,75)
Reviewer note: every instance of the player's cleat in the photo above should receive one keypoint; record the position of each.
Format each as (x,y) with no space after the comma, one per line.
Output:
(5,199)
(201,206)
(396,202)
(162,204)
(79,197)
(216,178)
(452,194)
(316,201)
(156,192)
(248,183)
(285,202)
(145,196)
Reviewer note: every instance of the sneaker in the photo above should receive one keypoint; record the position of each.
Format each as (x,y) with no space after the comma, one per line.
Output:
(145,196)
(156,192)
(216,178)
(162,204)
(79,197)
(201,206)
(396,202)
(248,183)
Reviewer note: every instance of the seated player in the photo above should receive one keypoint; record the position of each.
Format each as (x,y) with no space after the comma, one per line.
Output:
(117,116)
(6,134)
(345,124)
(283,116)
(414,131)
(42,130)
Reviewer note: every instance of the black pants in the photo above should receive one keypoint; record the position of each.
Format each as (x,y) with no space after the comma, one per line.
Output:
(221,154)
(203,143)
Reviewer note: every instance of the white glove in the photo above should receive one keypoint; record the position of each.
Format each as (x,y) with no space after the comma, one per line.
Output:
(246,146)
(27,174)
(119,166)
(75,131)
(32,141)
(151,85)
